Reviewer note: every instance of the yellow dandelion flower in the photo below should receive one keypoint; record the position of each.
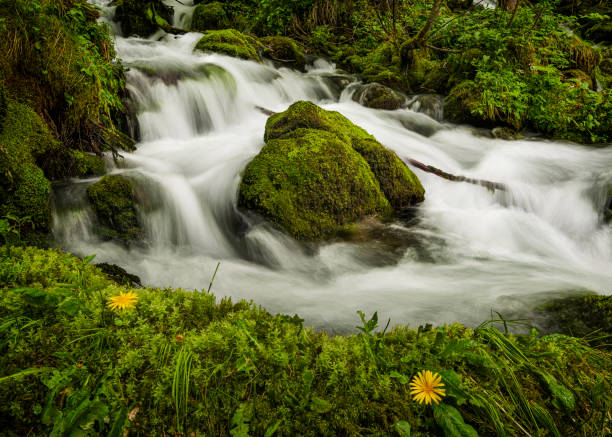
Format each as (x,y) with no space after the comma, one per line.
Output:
(123,301)
(425,387)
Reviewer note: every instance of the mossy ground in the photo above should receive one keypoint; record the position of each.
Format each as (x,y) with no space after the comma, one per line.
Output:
(230,42)
(188,363)
(113,200)
(319,173)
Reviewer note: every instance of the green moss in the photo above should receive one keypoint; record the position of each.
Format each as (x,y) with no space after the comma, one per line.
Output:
(141,18)
(209,16)
(229,42)
(86,164)
(284,50)
(113,199)
(61,61)
(319,173)
(24,190)
(241,369)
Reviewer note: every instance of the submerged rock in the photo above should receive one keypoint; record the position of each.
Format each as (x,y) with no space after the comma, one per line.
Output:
(318,174)
(377,96)
(113,200)
(284,50)
(209,16)
(229,42)
(142,18)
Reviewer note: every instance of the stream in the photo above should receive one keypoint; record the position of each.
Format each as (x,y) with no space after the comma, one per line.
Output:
(458,256)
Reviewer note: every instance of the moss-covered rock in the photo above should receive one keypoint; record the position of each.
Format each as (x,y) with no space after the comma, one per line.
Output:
(24,189)
(378,96)
(209,16)
(586,315)
(87,164)
(318,173)
(142,18)
(230,42)
(284,50)
(113,200)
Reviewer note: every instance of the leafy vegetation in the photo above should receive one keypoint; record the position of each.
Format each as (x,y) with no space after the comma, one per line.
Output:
(60,99)
(185,362)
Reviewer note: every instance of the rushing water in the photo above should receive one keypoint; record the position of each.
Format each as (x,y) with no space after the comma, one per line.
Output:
(462,253)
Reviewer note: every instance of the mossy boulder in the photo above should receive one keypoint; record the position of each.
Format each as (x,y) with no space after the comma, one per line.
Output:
(142,18)
(113,200)
(579,316)
(230,42)
(318,174)
(24,189)
(209,16)
(284,50)
(378,96)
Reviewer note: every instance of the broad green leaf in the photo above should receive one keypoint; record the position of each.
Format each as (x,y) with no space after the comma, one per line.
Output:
(451,422)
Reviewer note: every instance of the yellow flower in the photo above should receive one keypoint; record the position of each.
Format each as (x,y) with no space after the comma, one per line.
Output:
(123,301)
(425,387)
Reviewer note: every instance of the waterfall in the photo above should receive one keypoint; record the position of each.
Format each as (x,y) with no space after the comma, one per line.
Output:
(463,252)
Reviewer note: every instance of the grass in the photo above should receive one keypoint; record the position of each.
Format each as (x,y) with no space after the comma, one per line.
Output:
(190,364)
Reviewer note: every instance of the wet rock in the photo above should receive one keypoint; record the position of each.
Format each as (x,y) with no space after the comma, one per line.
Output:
(113,200)
(318,174)
(431,105)
(377,96)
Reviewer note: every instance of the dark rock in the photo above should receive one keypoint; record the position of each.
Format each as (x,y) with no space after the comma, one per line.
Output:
(431,105)
(119,275)
(378,96)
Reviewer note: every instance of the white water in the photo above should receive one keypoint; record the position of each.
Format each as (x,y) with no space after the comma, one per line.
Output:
(465,252)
